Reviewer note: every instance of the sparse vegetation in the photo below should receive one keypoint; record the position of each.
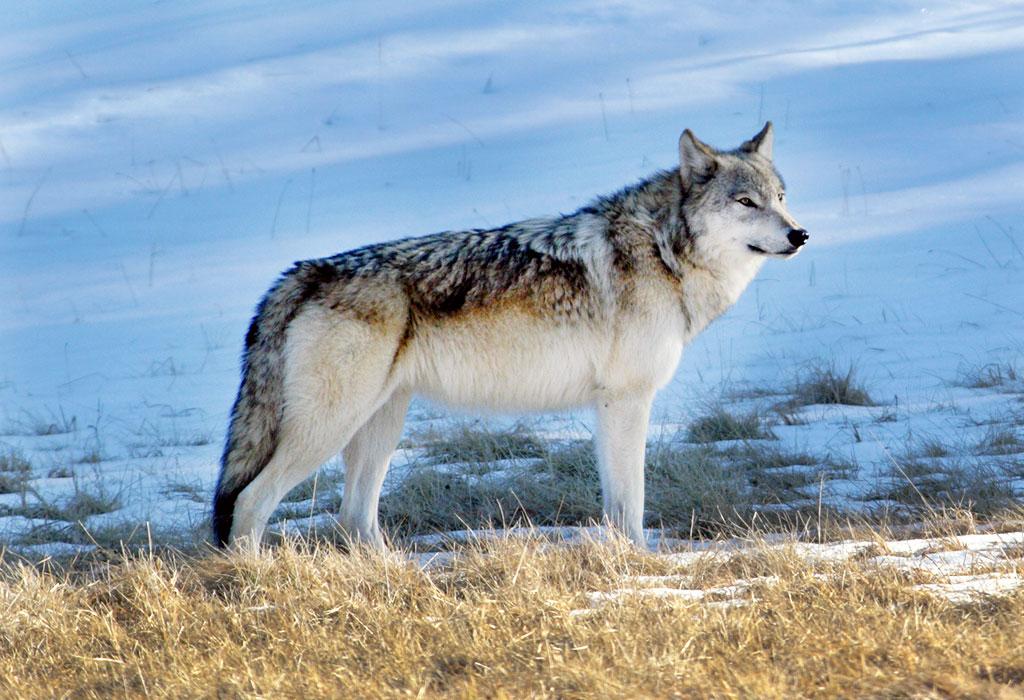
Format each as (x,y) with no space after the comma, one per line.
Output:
(692,486)
(687,486)
(111,537)
(758,457)
(194,491)
(989,376)
(826,384)
(75,508)
(719,424)
(561,489)
(1000,441)
(932,448)
(1014,468)
(778,476)
(14,472)
(788,415)
(886,416)
(14,461)
(38,424)
(928,486)
(91,456)
(574,460)
(471,444)
(152,444)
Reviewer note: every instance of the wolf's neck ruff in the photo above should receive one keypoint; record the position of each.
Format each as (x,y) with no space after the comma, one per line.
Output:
(591,308)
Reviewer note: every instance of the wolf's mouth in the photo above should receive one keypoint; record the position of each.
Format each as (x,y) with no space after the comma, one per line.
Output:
(793,250)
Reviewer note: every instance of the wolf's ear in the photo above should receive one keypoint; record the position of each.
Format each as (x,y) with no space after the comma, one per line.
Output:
(697,161)
(762,143)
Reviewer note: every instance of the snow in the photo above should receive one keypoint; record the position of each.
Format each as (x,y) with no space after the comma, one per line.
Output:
(160,164)
(964,589)
(974,543)
(965,568)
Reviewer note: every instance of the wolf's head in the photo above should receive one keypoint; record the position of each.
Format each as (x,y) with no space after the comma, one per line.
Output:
(735,204)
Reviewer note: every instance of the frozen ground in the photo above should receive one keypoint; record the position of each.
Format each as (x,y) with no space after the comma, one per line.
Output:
(160,165)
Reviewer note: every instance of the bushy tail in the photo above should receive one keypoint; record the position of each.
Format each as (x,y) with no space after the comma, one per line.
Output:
(258,409)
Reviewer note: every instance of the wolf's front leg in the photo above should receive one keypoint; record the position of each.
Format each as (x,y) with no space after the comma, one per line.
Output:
(621,441)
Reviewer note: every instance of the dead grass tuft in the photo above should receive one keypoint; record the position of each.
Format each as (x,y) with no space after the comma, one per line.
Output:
(992,375)
(40,424)
(826,384)
(14,472)
(932,448)
(561,488)
(471,444)
(692,487)
(719,424)
(948,485)
(76,508)
(1000,441)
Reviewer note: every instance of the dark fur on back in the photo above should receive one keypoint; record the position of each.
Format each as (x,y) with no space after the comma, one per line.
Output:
(451,272)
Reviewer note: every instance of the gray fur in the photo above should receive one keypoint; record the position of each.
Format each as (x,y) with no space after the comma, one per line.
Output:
(596,268)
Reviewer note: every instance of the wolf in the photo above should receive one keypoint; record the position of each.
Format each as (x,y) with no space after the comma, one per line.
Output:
(591,308)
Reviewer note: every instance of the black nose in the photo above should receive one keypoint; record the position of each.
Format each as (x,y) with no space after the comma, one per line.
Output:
(797,237)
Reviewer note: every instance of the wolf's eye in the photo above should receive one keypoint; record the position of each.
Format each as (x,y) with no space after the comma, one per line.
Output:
(782,196)
(746,201)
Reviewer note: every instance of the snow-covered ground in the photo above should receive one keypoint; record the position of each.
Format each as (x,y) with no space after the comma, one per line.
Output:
(960,569)
(160,164)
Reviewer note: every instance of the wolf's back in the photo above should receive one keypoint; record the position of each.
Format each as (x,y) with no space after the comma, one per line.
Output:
(257,412)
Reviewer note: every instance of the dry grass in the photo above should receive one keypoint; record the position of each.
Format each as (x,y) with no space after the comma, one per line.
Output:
(687,486)
(559,487)
(691,488)
(719,424)
(14,472)
(926,486)
(1000,441)
(499,622)
(52,423)
(827,384)
(77,507)
(995,374)
(467,443)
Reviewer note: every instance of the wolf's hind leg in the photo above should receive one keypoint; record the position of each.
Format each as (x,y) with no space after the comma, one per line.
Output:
(299,453)
(336,378)
(367,457)
(621,443)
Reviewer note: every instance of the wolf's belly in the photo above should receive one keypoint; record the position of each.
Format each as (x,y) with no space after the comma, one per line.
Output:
(512,363)
(506,364)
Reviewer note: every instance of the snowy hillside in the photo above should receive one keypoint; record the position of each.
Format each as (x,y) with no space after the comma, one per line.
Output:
(161,164)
